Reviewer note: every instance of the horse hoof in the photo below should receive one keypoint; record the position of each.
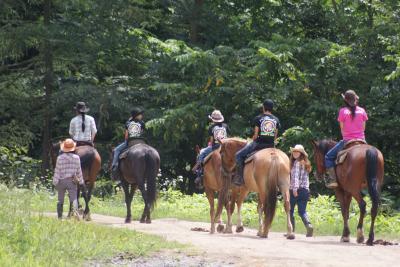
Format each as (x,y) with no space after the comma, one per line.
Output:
(239,229)
(128,220)
(290,236)
(370,242)
(228,231)
(360,239)
(220,228)
(258,234)
(263,235)
(345,239)
(148,221)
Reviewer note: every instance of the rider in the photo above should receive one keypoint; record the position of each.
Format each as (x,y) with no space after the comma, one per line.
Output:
(266,128)
(352,120)
(217,131)
(134,129)
(82,128)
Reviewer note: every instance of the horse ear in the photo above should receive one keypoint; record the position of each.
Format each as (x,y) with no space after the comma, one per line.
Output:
(197,149)
(314,143)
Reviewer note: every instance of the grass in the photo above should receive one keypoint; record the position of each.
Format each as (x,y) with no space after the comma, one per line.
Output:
(323,211)
(28,239)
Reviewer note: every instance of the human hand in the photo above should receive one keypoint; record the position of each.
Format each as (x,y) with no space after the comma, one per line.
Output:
(295,194)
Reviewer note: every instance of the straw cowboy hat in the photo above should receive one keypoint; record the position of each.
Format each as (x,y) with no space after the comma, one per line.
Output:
(298,148)
(68,145)
(216,116)
(350,97)
(81,107)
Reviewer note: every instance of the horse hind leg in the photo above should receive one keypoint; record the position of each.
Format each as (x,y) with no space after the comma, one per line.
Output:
(125,187)
(362,205)
(87,197)
(345,214)
(210,197)
(286,202)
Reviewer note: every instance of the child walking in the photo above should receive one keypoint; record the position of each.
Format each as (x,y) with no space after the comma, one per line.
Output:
(300,167)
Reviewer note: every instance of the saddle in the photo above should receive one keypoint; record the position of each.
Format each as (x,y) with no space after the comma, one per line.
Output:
(342,155)
(250,157)
(210,155)
(84,143)
(131,143)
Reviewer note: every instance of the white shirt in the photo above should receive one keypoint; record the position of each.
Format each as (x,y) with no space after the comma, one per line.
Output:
(75,128)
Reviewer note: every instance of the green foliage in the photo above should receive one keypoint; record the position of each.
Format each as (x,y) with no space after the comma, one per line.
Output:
(29,239)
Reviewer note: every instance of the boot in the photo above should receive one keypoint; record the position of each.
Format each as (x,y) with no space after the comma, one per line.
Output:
(331,182)
(199,176)
(59,210)
(238,178)
(115,173)
(308,225)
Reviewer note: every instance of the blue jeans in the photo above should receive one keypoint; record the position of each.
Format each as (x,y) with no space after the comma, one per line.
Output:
(330,157)
(301,200)
(242,154)
(117,152)
(206,151)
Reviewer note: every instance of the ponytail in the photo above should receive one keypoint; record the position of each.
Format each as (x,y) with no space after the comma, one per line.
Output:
(83,121)
(352,109)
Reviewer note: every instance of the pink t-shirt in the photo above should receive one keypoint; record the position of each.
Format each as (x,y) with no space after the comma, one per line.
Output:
(352,128)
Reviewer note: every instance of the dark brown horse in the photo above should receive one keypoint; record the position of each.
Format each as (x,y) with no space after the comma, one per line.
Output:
(90,164)
(139,168)
(363,166)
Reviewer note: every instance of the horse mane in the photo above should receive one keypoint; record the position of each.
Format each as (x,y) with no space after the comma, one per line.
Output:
(236,139)
(325,145)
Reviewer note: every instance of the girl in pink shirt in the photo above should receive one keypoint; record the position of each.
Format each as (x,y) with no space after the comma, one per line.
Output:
(352,119)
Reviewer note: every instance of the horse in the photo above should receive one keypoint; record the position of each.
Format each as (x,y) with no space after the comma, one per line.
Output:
(139,168)
(90,164)
(363,166)
(268,170)
(213,183)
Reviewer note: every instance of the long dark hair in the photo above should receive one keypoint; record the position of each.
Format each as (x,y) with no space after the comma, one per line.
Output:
(83,121)
(352,109)
(304,161)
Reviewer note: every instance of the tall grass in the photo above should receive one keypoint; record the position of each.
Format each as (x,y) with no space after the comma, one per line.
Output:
(29,239)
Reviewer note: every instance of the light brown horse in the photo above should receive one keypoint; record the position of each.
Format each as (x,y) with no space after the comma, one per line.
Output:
(213,183)
(90,164)
(363,166)
(268,171)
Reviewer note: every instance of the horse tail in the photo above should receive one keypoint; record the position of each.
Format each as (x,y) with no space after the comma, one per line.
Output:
(150,175)
(271,191)
(372,166)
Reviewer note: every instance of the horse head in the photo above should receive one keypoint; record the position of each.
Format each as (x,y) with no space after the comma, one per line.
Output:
(229,148)
(320,149)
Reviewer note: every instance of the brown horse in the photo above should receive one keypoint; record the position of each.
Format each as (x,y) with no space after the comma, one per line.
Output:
(268,170)
(364,165)
(139,168)
(213,183)
(90,164)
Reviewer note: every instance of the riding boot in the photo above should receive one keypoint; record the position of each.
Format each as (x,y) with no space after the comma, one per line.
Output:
(331,182)
(308,225)
(199,176)
(238,178)
(292,221)
(59,210)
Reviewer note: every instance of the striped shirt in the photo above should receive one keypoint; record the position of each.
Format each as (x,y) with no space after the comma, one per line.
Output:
(75,128)
(298,177)
(68,165)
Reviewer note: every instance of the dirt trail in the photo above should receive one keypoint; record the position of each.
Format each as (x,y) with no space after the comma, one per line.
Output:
(245,249)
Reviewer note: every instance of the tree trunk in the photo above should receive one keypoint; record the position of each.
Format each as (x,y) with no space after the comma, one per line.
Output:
(48,89)
(194,22)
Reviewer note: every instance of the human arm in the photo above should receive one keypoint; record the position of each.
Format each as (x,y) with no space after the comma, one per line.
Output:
(56,176)
(126,135)
(93,129)
(296,177)
(256,132)
(71,129)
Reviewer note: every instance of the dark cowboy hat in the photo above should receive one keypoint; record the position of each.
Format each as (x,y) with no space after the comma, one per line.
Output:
(81,107)
(350,97)
(136,111)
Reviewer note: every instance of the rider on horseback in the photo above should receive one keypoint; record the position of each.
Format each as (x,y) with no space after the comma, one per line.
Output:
(266,128)
(352,120)
(82,128)
(134,129)
(217,131)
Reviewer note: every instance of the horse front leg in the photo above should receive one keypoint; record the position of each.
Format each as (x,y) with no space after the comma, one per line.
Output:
(210,197)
